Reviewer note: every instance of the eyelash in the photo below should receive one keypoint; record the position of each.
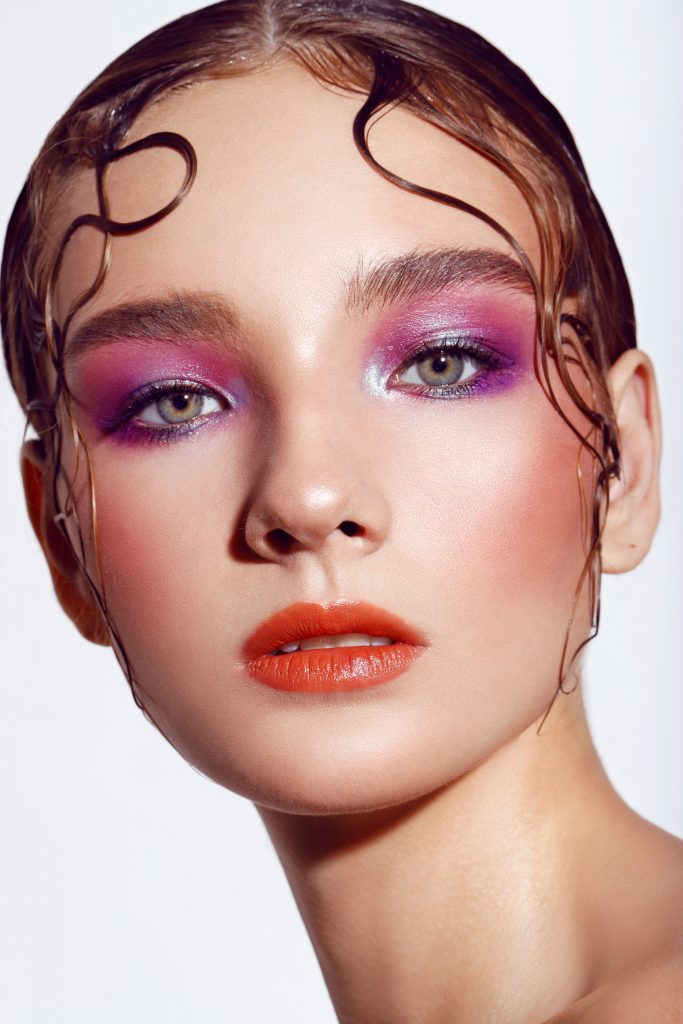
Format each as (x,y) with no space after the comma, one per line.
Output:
(489,361)
(125,423)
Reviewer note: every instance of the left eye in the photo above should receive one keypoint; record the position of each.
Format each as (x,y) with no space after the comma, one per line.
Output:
(440,366)
(180,406)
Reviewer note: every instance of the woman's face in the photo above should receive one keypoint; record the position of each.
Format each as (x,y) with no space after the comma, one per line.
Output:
(301,344)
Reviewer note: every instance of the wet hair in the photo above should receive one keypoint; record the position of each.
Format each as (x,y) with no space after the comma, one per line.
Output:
(389,53)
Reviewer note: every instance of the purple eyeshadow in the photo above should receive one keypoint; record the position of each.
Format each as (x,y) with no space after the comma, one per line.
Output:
(497,325)
(105,381)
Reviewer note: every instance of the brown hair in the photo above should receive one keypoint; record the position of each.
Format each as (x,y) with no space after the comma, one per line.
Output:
(389,52)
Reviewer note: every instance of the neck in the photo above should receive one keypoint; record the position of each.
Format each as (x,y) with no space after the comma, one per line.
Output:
(462,904)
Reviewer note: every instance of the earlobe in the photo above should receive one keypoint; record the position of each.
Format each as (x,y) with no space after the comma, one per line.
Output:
(633,511)
(71,587)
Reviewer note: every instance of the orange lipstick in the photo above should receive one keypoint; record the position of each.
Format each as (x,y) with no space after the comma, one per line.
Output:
(334,668)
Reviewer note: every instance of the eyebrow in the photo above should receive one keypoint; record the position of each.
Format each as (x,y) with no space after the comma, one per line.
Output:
(209,317)
(389,279)
(178,317)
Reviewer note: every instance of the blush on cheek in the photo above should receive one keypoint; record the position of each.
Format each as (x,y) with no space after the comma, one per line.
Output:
(543,489)
(163,531)
(505,508)
(537,537)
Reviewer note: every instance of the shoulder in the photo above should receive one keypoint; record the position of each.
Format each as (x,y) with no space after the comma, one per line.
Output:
(640,978)
(653,993)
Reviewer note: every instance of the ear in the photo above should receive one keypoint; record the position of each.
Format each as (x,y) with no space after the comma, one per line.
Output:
(72,588)
(633,511)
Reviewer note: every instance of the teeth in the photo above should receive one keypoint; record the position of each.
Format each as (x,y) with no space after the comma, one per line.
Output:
(289,648)
(314,643)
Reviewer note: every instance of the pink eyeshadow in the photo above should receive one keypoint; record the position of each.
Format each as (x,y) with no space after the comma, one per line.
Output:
(503,320)
(103,380)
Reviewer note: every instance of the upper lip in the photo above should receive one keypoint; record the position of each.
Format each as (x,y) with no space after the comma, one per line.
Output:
(305,619)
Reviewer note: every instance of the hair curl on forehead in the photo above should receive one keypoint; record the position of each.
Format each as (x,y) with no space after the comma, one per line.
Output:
(389,53)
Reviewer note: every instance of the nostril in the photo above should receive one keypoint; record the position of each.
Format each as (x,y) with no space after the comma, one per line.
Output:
(281,541)
(284,543)
(349,528)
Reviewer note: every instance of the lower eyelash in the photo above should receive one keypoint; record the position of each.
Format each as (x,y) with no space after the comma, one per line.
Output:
(447,391)
(149,434)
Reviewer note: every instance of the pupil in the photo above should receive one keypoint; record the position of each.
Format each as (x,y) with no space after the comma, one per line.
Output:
(439,363)
(181,402)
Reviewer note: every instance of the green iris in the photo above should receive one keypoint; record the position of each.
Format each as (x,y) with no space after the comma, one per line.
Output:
(180,407)
(441,368)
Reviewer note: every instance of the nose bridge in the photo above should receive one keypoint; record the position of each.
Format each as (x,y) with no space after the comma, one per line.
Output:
(307,481)
(314,483)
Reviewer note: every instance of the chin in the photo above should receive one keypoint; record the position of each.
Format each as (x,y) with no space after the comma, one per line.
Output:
(345,780)
(342,797)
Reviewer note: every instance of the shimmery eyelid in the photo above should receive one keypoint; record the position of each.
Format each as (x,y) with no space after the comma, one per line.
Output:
(493,325)
(105,380)
(505,321)
(485,337)
(457,342)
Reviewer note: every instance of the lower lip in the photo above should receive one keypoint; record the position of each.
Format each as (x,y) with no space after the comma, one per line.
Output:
(333,669)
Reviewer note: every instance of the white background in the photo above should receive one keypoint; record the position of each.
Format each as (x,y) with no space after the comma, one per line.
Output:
(131,888)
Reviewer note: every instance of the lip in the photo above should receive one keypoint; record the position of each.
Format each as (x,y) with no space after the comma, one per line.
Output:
(329,670)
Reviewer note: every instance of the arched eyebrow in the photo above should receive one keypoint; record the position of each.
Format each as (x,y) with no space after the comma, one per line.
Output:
(201,316)
(208,317)
(386,280)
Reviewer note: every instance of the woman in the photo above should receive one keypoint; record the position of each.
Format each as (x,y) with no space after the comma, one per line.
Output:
(291,399)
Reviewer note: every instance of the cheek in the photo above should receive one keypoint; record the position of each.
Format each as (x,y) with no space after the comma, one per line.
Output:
(505,501)
(526,527)
(500,551)
(164,525)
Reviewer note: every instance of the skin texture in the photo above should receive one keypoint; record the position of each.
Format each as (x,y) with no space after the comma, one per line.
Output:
(449,863)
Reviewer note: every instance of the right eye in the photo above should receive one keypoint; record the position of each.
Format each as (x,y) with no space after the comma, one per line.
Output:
(167,409)
(180,406)
(444,367)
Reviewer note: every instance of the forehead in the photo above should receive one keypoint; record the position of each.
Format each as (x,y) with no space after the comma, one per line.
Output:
(283,203)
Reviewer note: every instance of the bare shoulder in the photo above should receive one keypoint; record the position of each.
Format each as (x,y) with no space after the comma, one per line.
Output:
(637,948)
(653,993)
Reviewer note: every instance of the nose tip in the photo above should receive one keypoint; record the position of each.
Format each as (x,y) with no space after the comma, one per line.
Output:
(290,514)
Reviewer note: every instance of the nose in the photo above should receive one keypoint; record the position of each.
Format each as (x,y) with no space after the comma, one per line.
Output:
(318,492)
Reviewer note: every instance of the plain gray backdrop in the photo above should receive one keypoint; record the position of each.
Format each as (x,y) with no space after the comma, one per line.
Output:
(131,888)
